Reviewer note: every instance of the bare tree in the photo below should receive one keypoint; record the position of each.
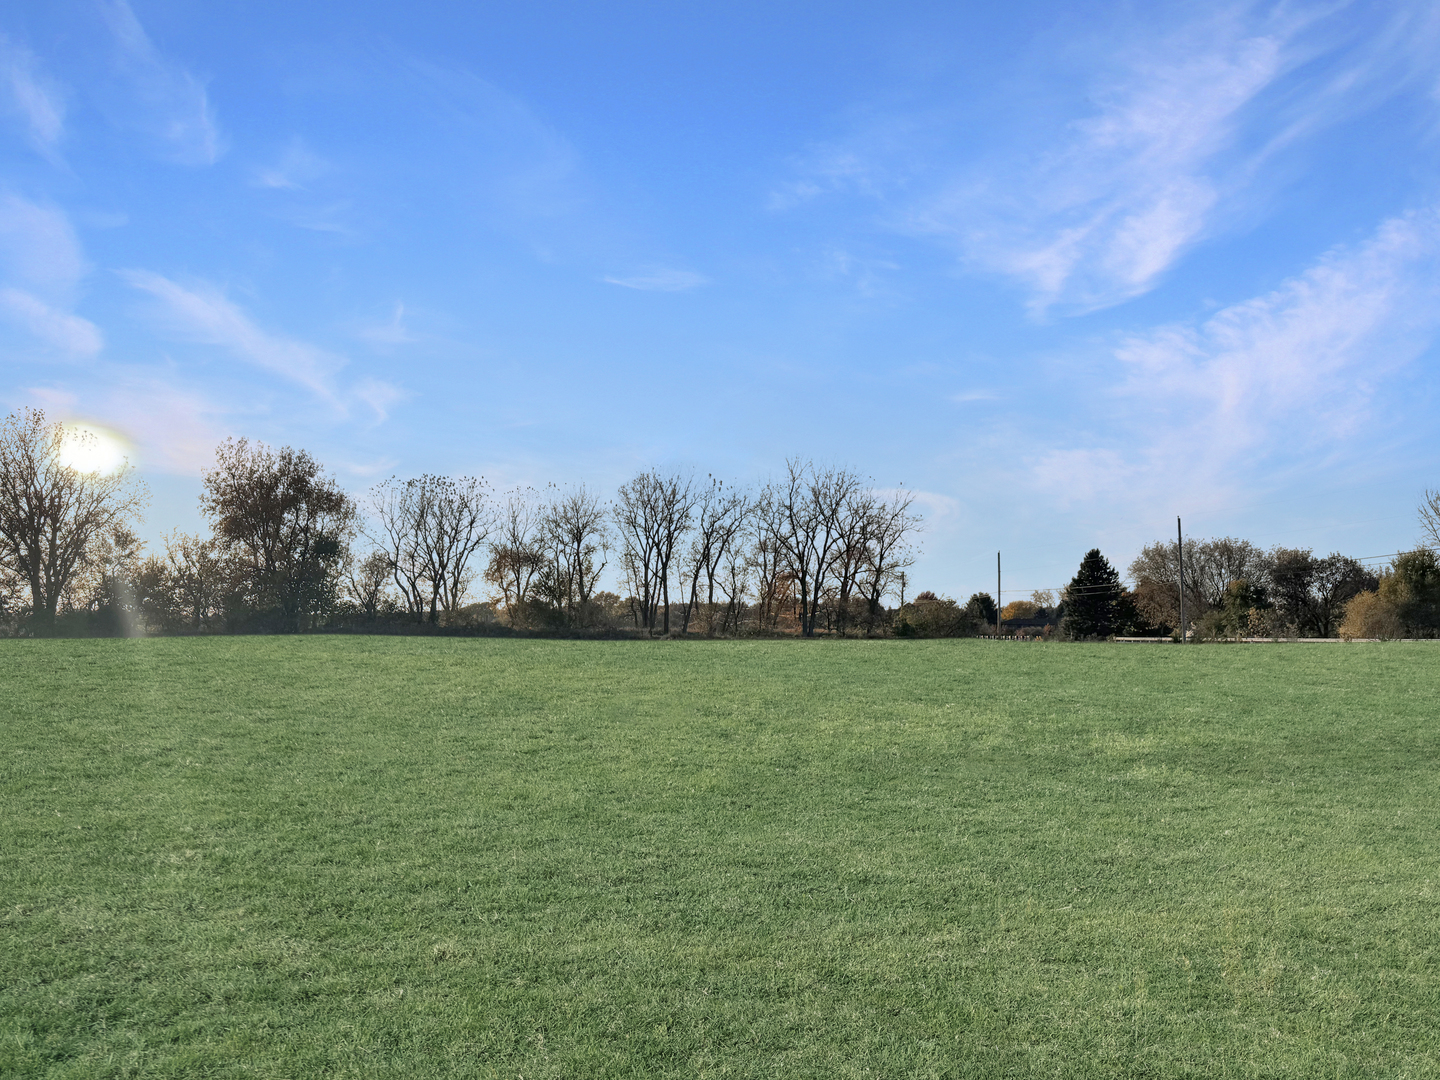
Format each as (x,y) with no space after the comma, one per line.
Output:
(637,516)
(430,528)
(889,526)
(1307,593)
(653,514)
(186,588)
(1430,520)
(720,516)
(516,556)
(365,583)
(1292,577)
(1208,566)
(395,508)
(200,578)
(765,561)
(284,522)
(13,607)
(847,563)
(1216,564)
(1337,580)
(51,512)
(104,583)
(806,521)
(460,521)
(576,545)
(733,581)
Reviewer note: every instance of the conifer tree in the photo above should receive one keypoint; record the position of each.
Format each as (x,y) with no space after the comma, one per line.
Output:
(1096,604)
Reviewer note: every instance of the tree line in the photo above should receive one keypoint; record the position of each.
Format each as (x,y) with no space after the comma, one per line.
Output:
(1233,589)
(817,550)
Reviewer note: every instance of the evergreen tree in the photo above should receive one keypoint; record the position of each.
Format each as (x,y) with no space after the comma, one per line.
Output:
(981,606)
(1096,604)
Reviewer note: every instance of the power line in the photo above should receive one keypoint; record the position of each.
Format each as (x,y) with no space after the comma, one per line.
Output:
(1392,555)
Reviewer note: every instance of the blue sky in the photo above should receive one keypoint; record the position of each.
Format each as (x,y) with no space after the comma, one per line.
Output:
(1066,270)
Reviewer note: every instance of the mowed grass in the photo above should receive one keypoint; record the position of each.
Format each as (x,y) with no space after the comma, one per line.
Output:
(360,857)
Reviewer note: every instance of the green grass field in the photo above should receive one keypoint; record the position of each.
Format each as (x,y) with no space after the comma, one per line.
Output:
(361,857)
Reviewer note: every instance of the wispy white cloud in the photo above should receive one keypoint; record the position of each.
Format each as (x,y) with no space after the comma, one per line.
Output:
(205,315)
(1178,124)
(506,156)
(41,267)
(170,104)
(38,247)
(380,396)
(175,428)
(37,100)
(1292,371)
(297,168)
(866,168)
(301,194)
(939,511)
(332,218)
(974,395)
(53,399)
(1086,475)
(870,276)
(391,333)
(1098,218)
(367,469)
(60,329)
(661,279)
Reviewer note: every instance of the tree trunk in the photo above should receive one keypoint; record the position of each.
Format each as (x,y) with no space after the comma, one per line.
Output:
(694,583)
(42,608)
(665,591)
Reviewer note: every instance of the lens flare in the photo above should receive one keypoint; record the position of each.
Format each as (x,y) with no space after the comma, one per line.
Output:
(90,448)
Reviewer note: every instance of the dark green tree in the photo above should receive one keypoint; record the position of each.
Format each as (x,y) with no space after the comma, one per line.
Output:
(1336,580)
(1310,592)
(1418,572)
(1245,604)
(1096,604)
(1292,573)
(981,606)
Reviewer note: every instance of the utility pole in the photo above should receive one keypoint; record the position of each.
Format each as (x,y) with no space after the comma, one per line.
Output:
(1180,561)
(997,596)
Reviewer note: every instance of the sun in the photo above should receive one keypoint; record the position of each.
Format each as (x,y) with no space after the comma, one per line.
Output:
(89,448)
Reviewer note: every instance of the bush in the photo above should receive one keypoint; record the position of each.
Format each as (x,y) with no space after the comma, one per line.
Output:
(471,617)
(1371,615)
(929,615)
(1212,626)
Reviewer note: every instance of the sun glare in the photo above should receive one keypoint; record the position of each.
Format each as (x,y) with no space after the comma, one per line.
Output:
(88,448)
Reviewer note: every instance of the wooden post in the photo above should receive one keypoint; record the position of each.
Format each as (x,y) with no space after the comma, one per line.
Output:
(997,596)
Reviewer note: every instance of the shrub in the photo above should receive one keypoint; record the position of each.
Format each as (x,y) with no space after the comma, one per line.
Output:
(929,615)
(1371,615)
